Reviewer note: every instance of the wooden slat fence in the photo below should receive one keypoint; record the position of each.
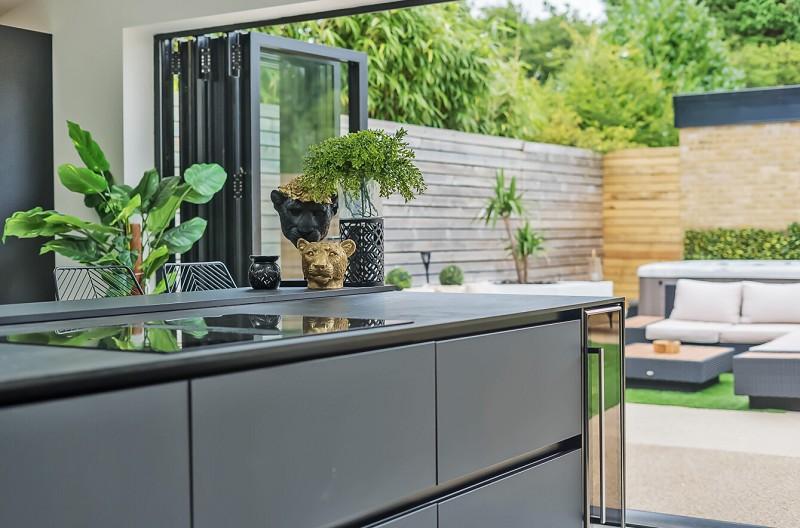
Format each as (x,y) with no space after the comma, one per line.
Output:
(641,213)
(563,196)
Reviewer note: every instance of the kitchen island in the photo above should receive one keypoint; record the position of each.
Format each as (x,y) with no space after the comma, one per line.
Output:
(364,407)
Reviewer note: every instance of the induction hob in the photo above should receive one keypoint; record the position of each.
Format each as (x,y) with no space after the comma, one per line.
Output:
(170,336)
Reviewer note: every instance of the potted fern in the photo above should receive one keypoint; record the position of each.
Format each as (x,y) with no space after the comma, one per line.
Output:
(362,167)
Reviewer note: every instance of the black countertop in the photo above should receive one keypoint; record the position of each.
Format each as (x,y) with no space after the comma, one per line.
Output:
(31,372)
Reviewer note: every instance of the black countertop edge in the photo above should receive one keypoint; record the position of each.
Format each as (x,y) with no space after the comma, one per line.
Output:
(42,312)
(234,358)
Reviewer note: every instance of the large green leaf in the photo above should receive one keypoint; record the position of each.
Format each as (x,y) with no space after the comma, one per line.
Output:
(130,208)
(165,190)
(82,250)
(26,224)
(181,238)
(80,180)
(89,151)
(160,217)
(192,196)
(163,340)
(147,187)
(157,258)
(206,179)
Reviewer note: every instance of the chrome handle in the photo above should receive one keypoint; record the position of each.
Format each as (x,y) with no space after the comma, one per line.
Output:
(601,414)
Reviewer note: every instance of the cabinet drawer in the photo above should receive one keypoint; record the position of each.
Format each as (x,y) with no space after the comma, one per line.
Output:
(425,518)
(116,459)
(505,394)
(312,443)
(546,496)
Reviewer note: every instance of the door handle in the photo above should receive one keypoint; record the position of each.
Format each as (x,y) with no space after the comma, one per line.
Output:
(601,419)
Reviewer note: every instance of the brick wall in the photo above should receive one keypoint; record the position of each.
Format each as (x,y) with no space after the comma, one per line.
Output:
(740,175)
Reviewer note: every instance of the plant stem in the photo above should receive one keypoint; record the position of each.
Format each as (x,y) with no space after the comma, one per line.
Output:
(513,248)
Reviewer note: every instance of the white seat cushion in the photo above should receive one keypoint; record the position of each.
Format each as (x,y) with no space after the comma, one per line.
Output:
(770,303)
(786,343)
(688,331)
(755,334)
(719,302)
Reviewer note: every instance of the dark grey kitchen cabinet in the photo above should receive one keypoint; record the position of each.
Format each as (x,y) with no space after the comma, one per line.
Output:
(505,394)
(546,496)
(312,443)
(425,518)
(114,459)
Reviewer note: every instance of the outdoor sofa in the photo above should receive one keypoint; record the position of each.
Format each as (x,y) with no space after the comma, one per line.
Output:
(762,320)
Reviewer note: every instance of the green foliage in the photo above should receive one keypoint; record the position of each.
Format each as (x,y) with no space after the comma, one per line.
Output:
(618,100)
(350,162)
(109,241)
(739,244)
(505,202)
(529,242)
(400,278)
(426,64)
(451,276)
(679,39)
(758,21)
(769,65)
(543,45)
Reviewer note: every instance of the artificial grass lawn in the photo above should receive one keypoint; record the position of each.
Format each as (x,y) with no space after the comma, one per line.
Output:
(719,396)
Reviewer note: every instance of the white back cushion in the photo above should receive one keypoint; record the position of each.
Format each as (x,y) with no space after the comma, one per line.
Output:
(718,302)
(770,303)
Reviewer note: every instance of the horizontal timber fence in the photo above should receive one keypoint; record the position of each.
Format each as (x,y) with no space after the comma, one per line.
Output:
(562,187)
(641,213)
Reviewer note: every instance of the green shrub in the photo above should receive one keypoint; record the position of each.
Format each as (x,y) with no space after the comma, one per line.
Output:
(451,276)
(766,65)
(742,244)
(399,277)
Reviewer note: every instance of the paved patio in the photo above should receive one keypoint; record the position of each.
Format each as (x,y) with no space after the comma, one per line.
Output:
(738,466)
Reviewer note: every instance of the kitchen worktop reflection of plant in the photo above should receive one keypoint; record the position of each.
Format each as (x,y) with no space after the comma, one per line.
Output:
(120,208)
(137,337)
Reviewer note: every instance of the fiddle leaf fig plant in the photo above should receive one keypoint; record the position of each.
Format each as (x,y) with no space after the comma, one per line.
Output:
(153,203)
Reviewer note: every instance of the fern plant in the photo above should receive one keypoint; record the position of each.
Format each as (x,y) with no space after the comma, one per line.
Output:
(350,163)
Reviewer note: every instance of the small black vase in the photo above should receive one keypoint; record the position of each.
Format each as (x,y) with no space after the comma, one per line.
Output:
(264,273)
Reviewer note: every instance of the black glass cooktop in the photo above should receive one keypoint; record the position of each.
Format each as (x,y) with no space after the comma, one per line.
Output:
(171,336)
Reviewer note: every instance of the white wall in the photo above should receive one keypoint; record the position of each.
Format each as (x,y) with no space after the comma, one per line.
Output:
(103,66)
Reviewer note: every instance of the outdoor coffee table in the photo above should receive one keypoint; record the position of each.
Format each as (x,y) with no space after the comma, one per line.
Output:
(693,368)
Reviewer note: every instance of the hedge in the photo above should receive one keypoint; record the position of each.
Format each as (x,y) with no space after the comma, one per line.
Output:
(741,244)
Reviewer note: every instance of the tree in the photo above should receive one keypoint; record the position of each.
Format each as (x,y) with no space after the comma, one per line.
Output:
(506,203)
(619,100)
(543,45)
(678,38)
(758,21)
(769,65)
(427,65)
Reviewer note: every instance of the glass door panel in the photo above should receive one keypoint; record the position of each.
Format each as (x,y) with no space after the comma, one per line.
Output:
(300,94)
(300,104)
(605,415)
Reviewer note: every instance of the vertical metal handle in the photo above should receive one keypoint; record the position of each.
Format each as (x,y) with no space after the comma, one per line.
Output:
(601,418)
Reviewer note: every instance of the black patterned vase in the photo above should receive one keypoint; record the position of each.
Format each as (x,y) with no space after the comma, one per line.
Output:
(264,273)
(365,267)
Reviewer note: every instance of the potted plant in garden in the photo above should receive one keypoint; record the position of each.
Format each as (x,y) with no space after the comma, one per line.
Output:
(362,167)
(135,223)
(522,243)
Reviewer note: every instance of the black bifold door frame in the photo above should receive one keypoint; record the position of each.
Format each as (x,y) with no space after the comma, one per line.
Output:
(215,119)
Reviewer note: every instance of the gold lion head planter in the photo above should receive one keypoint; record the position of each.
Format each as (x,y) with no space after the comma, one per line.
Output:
(324,263)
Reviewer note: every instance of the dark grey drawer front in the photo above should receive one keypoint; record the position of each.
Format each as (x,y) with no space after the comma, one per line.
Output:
(425,518)
(546,496)
(505,394)
(118,459)
(308,444)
